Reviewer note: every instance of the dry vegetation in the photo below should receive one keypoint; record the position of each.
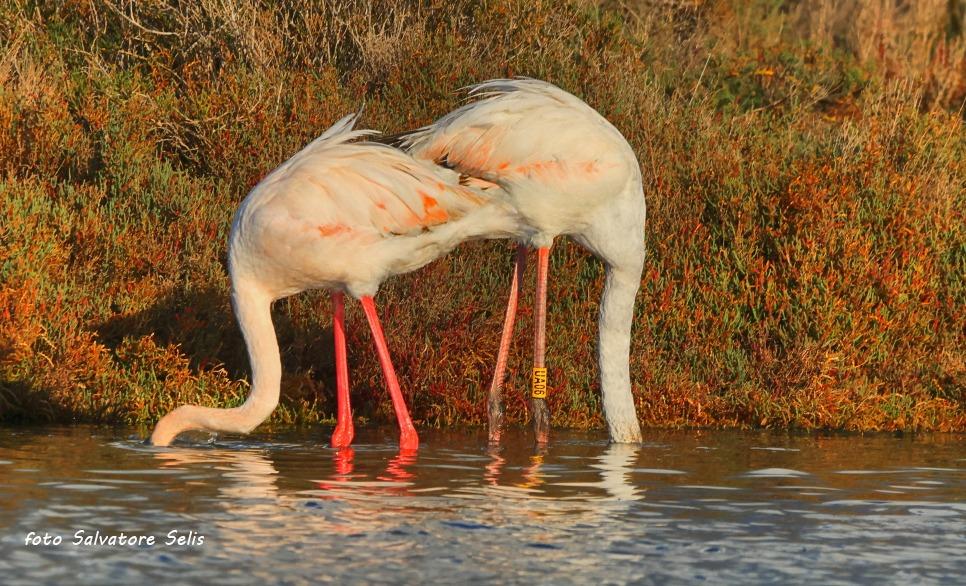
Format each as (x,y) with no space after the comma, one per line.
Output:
(804,168)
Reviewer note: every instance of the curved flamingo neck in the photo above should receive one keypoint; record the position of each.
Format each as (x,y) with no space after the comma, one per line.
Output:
(253,310)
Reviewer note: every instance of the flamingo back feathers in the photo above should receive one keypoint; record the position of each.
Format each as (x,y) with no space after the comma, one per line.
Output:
(346,215)
(558,161)
(365,189)
(520,130)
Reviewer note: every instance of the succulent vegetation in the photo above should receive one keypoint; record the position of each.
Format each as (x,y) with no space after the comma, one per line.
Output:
(804,165)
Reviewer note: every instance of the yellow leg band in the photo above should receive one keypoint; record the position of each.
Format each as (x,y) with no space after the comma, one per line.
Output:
(538,384)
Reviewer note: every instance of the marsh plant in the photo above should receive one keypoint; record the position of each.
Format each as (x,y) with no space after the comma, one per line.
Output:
(804,166)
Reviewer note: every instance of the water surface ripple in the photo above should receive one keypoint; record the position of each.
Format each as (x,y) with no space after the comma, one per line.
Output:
(284,507)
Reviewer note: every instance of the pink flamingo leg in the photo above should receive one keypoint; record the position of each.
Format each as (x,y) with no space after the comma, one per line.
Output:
(343,434)
(541,414)
(408,440)
(495,403)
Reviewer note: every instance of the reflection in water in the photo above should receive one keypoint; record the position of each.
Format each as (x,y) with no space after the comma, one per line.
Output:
(394,479)
(615,466)
(250,473)
(495,466)
(531,474)
(343,463)
(248,498)
(396,470)
(725,507)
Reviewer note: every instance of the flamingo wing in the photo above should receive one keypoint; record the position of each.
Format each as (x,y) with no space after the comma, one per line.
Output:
(523,131)
(366,189)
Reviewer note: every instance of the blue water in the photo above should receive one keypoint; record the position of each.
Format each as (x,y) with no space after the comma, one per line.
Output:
(283,507)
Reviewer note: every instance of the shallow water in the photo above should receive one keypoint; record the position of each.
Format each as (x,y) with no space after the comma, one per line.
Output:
(724,507)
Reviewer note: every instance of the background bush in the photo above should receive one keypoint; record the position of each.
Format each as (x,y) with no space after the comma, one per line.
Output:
(803,164)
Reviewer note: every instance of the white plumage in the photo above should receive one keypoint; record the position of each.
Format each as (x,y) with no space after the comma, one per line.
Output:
(345,215)
(567,171)
(342,216)
(526,161)
(557,158)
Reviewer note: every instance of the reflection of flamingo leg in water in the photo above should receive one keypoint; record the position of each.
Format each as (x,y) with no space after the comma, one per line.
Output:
(495,466)
(531,474)
(396,467)
(343,461)
(395,472)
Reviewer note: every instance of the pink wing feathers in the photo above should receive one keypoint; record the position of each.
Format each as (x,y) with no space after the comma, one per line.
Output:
(368,189)
(522,130)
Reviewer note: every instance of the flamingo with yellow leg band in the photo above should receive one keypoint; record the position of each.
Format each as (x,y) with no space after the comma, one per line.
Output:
(343,216)
(567,171)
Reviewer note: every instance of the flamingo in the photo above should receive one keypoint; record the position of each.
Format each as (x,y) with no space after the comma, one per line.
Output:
(567,171)
(342,216)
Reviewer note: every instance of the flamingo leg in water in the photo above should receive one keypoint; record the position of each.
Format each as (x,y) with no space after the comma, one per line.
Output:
(343,434)
(408,440)
(495,403)
(541,414)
